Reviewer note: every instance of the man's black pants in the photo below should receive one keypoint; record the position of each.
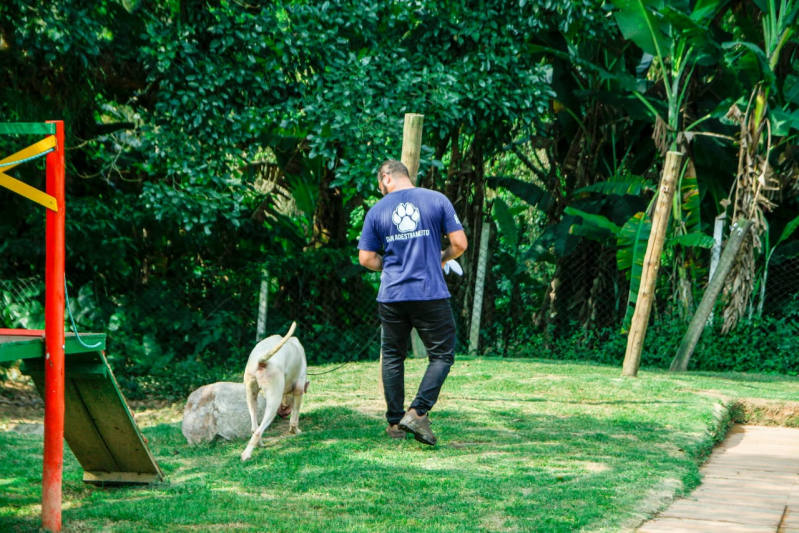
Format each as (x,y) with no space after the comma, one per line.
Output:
(436,326)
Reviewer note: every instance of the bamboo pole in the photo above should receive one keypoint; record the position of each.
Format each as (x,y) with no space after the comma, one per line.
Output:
(646,293)
(738,235)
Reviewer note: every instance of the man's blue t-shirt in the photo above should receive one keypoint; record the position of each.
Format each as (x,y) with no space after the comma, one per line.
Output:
(408,225)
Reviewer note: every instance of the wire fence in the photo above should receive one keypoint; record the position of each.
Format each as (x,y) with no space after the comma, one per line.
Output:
(214,318)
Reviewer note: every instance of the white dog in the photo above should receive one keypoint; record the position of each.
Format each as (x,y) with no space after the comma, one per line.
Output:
(277,369)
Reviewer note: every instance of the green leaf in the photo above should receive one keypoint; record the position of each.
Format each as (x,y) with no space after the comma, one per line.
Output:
(632,243)
(638,23)
(788,231)
(790,89)
(691,240)
(689,192)
(529,192)
(754,51)
(704,10)
(505,223)
(594,224)
(782,121)
(632,187)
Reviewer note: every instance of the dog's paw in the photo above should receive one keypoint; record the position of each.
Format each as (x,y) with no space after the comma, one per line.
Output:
(245,456)
(294,430)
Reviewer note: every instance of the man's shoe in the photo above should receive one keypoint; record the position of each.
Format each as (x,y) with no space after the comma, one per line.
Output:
(395,432)
(419,426)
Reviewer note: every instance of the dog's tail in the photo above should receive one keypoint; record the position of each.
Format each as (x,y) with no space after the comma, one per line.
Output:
(264,358)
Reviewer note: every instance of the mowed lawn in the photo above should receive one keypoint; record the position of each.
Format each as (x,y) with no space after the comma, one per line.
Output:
(524,446)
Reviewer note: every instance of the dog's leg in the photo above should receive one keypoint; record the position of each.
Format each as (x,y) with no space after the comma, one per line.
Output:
(251,390)
(285,406)
(295,412)
(274,394)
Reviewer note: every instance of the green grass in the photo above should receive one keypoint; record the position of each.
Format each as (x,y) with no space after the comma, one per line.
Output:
(524,446)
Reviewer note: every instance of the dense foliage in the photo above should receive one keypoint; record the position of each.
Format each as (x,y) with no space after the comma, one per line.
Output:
(210,141)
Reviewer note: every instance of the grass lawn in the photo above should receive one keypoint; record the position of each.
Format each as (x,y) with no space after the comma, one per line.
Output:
(524,446)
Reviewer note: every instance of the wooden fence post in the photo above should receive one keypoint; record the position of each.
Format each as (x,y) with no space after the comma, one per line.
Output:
(411,150)
(479,285)
(738,235)
(263,304)
(646,293)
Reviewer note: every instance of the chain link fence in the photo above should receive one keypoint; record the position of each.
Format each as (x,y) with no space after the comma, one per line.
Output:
(213,318)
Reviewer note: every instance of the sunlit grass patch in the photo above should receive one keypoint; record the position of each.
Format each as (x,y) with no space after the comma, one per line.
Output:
(524,446)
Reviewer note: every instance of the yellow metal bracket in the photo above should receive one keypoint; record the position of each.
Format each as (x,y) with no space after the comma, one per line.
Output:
(24,189)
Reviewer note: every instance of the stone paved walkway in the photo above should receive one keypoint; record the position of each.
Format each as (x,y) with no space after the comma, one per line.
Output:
(750,484)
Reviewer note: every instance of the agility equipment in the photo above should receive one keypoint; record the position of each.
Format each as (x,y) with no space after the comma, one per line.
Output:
(100,428)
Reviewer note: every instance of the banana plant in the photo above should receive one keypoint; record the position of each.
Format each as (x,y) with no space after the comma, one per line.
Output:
(631,240)
(769,127)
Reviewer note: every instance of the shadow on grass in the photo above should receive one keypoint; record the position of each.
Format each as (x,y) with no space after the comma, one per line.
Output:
(494,470)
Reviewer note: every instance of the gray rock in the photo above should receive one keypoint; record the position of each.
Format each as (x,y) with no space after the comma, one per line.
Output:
(218,411)
(28,429)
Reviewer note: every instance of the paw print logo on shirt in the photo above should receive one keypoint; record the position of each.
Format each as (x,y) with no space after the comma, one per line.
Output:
(406,217)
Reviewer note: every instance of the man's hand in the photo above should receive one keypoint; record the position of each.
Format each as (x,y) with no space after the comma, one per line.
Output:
(457,245)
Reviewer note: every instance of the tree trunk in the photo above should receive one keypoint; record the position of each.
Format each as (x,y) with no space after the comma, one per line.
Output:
(646,293)
(728,257)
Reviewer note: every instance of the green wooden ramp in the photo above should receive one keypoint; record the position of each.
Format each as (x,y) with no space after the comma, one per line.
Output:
(98,425)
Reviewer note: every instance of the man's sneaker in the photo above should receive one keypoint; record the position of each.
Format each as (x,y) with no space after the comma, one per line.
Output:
(419,426)
(395,432)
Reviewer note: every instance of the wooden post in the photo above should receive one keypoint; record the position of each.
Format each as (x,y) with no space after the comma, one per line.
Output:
(411,150)
(479,285)
(715,252)
(685,351)
(54,339)
(412,143)
(646,293)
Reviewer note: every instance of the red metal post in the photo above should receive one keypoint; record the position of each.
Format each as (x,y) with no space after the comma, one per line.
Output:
(54,340)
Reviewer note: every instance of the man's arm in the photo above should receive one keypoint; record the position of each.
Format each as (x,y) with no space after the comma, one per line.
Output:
(457,245)
(371,260)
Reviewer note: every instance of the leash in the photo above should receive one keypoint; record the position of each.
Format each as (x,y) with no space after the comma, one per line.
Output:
(72,318)
(366,347)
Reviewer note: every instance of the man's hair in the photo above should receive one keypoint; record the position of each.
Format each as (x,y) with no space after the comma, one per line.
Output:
(392,166)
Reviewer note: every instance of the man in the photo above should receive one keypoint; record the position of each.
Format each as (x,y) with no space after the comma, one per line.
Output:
(407,225)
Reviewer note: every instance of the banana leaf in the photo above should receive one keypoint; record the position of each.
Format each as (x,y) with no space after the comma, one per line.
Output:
(689,192)
(638,23)
(632,243)
(529,192)
(505,223)
(631,187)
(693,239)
(595,227)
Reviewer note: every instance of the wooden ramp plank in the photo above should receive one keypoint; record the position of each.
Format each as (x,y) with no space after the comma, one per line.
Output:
(98,425)
(115,425)
(81,433)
